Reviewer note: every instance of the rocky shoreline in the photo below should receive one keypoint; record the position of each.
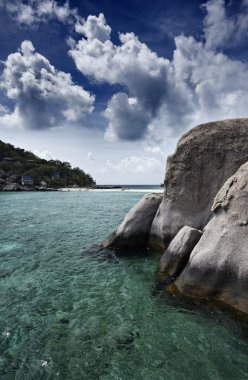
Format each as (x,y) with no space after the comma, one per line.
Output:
(201,221)
(16,187)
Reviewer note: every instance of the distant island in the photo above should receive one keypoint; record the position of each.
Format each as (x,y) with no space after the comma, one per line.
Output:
(23,170)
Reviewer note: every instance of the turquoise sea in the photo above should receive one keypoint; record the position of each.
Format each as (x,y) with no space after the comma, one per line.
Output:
(71,312)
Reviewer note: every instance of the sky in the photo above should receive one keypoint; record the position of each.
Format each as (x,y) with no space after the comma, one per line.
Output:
(110,86)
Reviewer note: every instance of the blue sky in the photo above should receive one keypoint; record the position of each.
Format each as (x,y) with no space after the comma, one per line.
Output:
(111,85)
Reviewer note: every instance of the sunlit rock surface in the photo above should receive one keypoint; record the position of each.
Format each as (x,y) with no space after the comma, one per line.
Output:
(177,254)
(218,265)
(135,228)
(205,158)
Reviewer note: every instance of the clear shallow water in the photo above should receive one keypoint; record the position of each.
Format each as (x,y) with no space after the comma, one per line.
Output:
(68,313)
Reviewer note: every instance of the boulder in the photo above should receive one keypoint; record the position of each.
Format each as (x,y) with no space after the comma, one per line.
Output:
(218,265)
(177,254)
(135,228)
(2,184)
(11,187)
(205,158)
(43,183)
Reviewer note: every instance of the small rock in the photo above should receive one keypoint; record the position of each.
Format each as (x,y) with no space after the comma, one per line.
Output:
(135,228)
(177,254)
(11,187)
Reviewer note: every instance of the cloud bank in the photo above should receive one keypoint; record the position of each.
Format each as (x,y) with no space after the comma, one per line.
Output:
(201,83)
(44,96)
(148,82)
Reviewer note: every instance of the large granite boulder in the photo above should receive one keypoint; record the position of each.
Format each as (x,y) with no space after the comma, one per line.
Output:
(135,228)
(177,254)
(218,265)
(205,158)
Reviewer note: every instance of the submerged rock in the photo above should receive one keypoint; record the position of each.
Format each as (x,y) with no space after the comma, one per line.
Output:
(135,228)
(218,265)
(177,254)
(205,157)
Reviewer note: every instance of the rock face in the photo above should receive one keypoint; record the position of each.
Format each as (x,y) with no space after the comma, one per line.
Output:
(135,228)
(177,254)
(204,159)
(218,265)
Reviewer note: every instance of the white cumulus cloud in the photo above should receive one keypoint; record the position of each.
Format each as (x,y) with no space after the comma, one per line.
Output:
(157,95)
(33,12)
(153,149)
(90,157)
(217,84)
(4,110)
(219,29)
(44,96)
(45,155)
(94,27)
(148,83)
(200,84)
(135,164)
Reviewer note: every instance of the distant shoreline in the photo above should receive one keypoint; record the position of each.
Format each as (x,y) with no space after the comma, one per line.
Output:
(84,189)
(115,190)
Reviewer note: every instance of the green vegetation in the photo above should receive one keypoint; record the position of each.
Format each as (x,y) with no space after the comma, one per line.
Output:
(56,174)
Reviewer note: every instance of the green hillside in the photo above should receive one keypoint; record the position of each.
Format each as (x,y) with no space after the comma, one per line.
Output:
(15,163)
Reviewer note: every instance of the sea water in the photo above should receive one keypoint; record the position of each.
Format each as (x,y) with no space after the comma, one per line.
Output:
(69,311)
